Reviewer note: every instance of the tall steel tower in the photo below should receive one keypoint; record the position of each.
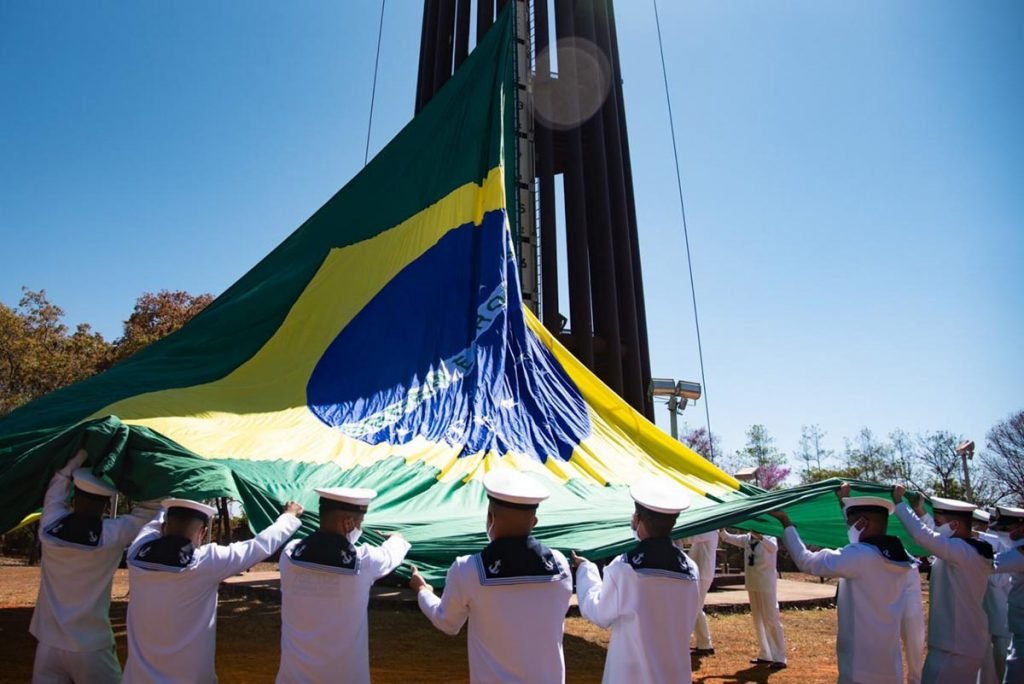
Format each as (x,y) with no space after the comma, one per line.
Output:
(572,136)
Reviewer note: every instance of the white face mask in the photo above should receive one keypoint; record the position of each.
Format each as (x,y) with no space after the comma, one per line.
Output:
(944,530)
(490,533)
(354,534)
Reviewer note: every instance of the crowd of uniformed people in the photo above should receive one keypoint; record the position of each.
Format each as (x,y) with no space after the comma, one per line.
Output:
(514,594)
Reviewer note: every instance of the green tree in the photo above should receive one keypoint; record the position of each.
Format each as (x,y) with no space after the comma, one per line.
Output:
(1004,458)
(943,471)
(157,316)
(38,353)
(761,452)
(812,453)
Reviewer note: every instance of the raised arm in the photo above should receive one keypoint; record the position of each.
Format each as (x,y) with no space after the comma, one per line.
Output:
(121,531)
(382,560)
(449,612)
(55,504)
(734,539)
(600,602)
(948,549)
(225,561)
(824,563)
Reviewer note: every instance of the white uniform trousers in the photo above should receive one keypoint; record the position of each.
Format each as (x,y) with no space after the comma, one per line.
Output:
(57,666)
(700,631)
(943,667)
(764,609)
(1015,661)
(912,633)
(993,668)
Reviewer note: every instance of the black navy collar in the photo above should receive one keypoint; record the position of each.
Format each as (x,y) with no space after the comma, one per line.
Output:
(168,553)
(326,551)
(658,556)
(891,548)
(517,560)
(77,529)
(982,547)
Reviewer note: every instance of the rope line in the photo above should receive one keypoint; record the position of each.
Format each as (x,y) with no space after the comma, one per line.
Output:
(686,234)
(373,92)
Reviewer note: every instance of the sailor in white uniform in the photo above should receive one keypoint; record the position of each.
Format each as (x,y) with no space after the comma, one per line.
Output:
(912,630)
(958,637)
(325,590)
(760,574)
(650,595)
(173,579)
(515,593)
(703,552)
(1009,525)
(997,602)
(81,551)
(872,571)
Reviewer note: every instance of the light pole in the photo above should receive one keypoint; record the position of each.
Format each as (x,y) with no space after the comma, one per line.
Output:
(677,393)
(966,451)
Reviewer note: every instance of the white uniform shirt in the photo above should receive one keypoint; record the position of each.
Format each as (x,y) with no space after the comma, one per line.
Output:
(72,611)
(703,552)
(324,632)
(515,629)
(956,620)
(871,600)
(1012,563)
(762,575)
(172,614)
(997,594)
(649,614)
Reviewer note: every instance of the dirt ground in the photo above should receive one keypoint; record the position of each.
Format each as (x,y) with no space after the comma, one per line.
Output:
(404,647)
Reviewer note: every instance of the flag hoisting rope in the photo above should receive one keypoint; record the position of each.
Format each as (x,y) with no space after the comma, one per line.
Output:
(686,235)
(373,92)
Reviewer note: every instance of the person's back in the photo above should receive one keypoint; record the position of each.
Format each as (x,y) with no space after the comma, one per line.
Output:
(873,589)
(514,593)
(870,600)
(649,609)
(172,608)
(515,623)
(956,595)
(325,589)
(958,636)
(80,552)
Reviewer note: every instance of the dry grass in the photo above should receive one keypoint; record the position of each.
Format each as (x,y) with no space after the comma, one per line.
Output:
(404,647)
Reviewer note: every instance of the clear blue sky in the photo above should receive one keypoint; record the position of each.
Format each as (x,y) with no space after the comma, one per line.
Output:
(854,178)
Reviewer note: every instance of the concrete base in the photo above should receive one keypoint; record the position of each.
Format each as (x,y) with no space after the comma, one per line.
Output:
(266,586)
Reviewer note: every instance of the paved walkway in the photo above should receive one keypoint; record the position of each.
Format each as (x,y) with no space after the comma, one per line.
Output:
(733,599)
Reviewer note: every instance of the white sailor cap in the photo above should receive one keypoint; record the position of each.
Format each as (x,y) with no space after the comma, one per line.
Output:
(511,487)
(1006,515)
(951,505)
(660,495)
(981,516)
(194,508)
(86,482)
(868,502)
(346,498)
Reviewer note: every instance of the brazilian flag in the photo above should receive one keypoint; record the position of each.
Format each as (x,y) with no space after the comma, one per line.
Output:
(384,344)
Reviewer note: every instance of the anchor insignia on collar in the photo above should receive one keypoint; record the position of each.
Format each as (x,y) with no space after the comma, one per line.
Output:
(495,567)
(346,557)
(638,558)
